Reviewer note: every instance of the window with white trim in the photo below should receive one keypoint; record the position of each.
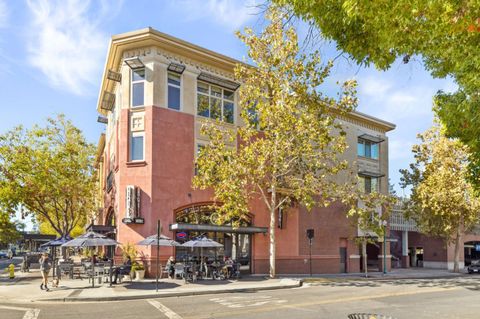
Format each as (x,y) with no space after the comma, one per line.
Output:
(138,87)
(173,91)
(215,102)
(137,149)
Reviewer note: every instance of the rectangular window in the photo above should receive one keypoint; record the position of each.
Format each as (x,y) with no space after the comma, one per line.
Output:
(368,184)
(138,87)
(173,91)
(367,149)
(215,102)
(137,147)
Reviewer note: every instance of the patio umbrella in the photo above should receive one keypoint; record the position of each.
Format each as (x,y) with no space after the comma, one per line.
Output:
(92,239)
(158,240)
(202,242)
(55,243)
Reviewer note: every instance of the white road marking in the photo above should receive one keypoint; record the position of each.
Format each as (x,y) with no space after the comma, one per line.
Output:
(30,313)
(165,310)
(251,301)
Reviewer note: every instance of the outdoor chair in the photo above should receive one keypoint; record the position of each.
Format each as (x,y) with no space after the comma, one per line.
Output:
(164,271)
(368,316)
(96,273)
(179,271)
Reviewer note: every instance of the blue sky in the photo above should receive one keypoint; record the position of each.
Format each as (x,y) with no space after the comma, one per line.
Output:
(52,54)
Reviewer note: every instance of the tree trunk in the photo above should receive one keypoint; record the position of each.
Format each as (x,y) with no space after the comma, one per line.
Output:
(364,254)
(456,259)
(272,242)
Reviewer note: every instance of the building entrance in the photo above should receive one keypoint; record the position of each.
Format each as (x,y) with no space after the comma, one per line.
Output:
(202,220)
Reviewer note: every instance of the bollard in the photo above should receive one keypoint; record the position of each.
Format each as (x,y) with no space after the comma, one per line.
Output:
(11,271)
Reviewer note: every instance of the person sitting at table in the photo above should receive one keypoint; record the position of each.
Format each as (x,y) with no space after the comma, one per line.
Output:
(122,270)
(170,267)
(228,268)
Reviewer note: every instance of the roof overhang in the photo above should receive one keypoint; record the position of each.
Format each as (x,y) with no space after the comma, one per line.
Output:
(219,228)
(150,37)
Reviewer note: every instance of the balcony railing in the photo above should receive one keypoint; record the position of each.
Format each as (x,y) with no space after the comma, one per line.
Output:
(399,222)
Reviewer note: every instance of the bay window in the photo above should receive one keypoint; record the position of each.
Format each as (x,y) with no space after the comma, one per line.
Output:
(215,102)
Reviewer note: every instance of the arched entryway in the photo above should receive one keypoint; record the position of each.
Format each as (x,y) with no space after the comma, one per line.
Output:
(202,219)
(110,221)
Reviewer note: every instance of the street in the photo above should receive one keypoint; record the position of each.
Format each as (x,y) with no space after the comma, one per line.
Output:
(402,299)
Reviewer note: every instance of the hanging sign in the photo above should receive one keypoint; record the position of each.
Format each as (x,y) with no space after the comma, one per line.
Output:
(181,235)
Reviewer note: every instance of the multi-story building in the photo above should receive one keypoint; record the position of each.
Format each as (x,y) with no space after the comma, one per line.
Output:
(156,92)
(413,249)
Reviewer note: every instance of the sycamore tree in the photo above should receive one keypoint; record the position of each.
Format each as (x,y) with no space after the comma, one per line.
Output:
(9,230)
(443,202)
(444,33)
(48,172)
(288,148)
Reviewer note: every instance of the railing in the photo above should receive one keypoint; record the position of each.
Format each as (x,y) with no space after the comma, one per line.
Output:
(109,181)
(399,222)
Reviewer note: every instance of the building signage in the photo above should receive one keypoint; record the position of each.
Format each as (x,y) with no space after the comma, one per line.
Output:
(181,235)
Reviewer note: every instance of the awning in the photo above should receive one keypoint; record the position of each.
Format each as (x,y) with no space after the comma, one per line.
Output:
(220,229)
(101,229)
(371,174)
(212,79)
(371,138)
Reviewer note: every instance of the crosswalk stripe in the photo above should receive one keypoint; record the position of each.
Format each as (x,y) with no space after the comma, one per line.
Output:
(165,310)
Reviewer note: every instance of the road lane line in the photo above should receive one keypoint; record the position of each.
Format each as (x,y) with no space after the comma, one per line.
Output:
(165,310)
(340,299)
(30,313)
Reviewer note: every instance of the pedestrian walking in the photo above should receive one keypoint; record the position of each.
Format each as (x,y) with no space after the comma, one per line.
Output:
(10,254)
(45,266)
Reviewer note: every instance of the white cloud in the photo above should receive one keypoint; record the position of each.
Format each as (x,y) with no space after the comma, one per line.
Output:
(3,14)
(392,102)
(66,42)
(231,14)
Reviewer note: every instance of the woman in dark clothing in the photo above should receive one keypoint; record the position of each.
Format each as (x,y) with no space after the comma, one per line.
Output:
(123,270)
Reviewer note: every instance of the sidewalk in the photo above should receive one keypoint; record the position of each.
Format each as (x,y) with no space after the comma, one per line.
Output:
(398,273)
(26,288)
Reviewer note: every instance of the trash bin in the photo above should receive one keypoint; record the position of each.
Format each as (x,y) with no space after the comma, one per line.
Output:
(368,316)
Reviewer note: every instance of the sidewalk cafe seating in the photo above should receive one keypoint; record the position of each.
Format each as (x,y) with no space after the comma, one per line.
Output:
(179,271)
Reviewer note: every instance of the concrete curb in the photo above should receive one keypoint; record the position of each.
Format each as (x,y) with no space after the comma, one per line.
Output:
(296,284)
(338,279)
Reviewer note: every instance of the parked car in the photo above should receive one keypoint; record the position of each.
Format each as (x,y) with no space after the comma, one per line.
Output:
(3,254)
(474,267)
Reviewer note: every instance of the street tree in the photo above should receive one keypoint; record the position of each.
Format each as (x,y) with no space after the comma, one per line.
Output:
(444,33)
(443,202)
(9,230)
(48,172)
(288,150)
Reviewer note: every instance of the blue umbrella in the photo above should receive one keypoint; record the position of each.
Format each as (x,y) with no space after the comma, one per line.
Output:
(56,242)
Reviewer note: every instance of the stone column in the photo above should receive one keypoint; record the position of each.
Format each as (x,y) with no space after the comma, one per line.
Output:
(405,257)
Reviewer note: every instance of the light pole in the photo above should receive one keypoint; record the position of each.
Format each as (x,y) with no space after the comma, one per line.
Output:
(384,247)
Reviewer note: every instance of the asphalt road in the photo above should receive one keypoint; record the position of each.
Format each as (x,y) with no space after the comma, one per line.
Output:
(402,299)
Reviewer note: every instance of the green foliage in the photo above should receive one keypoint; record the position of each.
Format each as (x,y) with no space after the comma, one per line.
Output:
(49,172)
(289,146)
(443,202)
(8,229)
(137,266)
(445,33)
(129,250)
